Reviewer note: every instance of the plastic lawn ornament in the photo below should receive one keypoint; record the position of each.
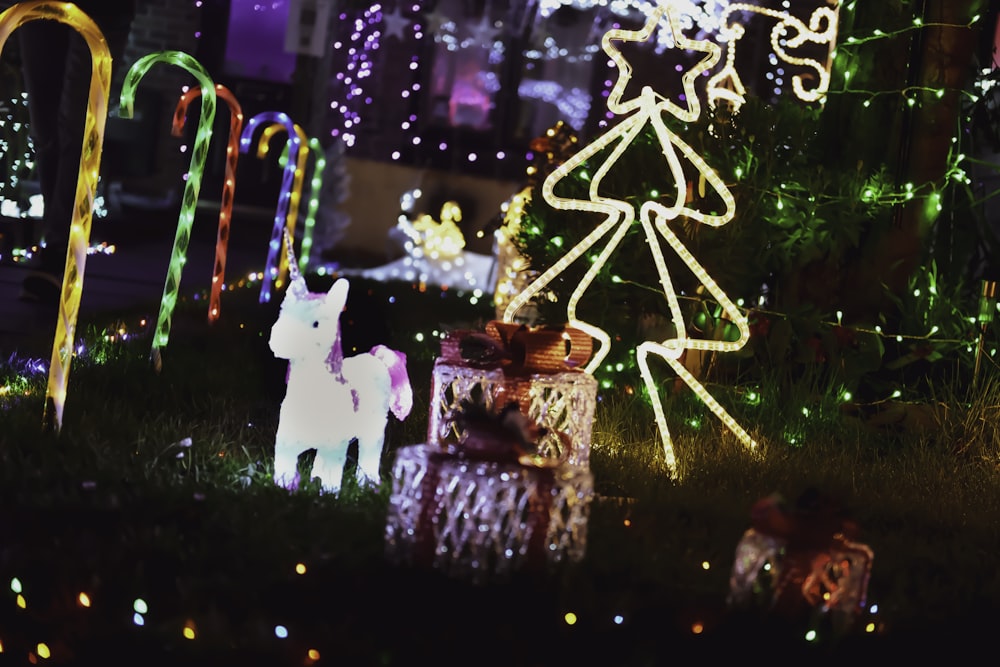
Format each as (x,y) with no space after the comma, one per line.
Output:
(192,185)
(86,186)
(788,33)
(655,216)
(273,267)
(440,241)
(228,185)
(331,399)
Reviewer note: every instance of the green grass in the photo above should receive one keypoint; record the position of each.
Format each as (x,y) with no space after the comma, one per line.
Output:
(116,506)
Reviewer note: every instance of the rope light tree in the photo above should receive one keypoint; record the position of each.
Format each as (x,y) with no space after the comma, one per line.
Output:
(849,250)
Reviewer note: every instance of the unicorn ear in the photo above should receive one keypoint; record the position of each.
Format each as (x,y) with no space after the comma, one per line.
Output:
(336,298)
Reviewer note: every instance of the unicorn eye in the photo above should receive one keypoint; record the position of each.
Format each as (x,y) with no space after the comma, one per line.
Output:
(316,324)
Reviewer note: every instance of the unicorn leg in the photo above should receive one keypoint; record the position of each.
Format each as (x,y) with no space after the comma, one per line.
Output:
(369,459)
(286,467)
(330,470)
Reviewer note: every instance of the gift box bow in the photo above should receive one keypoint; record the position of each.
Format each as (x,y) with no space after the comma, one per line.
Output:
(519,348)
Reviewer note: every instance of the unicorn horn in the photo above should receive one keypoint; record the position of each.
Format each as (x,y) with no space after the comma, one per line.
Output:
(293,267)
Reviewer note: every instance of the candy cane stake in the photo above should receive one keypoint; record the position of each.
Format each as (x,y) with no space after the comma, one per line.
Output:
(274,248)
(86,186)
(315,188)
(228,187)
(294,201)
(191,188)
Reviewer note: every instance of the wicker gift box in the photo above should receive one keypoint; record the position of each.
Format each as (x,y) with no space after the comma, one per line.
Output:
(481,518)
(794,562)
(539,368)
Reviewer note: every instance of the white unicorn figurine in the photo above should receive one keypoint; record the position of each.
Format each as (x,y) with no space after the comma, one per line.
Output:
(330,399)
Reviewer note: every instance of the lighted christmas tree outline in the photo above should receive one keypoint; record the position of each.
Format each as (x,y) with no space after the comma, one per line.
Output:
(654,217)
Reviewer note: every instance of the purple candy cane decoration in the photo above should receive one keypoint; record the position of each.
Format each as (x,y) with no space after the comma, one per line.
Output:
(281,214)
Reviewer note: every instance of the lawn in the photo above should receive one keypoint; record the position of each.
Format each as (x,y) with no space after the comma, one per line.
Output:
(149,531)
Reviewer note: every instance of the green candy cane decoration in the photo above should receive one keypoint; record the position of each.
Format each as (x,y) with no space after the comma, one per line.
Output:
(191,188)
(315,187)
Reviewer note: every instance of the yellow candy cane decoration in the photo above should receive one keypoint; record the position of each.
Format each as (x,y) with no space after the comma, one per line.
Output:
(86,186)
(654,217)
(295,195)
(228,186)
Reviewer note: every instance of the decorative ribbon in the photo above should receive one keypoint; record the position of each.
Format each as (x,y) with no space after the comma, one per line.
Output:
(519,348)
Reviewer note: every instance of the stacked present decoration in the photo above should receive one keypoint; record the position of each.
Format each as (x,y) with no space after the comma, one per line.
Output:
(503,483)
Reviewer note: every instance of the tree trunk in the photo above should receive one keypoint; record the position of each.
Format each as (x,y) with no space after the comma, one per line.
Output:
(943,60)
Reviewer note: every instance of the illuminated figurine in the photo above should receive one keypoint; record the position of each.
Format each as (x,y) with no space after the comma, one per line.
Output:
(331,399)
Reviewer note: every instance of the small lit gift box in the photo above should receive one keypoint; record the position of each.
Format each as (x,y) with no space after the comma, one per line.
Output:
(485,507)
(539,368)
(794,562)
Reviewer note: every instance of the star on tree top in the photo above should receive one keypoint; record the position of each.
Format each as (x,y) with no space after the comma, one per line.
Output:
(713,54)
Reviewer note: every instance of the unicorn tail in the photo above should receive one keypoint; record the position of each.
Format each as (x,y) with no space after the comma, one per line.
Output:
(401,401)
